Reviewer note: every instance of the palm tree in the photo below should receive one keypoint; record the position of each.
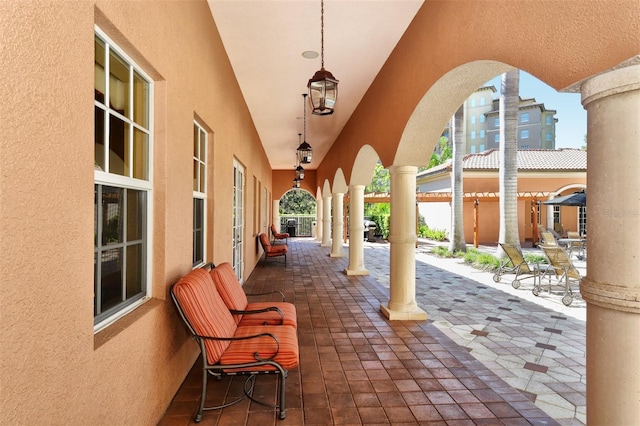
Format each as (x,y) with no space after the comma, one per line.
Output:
(509,102)
(458,242)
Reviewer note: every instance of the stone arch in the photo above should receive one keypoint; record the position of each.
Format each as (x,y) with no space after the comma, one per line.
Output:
(364,166)
(340,183)
(436,107)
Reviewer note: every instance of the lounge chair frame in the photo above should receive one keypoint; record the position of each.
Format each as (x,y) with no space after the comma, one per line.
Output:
(520,267)
(270,250)
(565,272)
(279,236)
(248,369)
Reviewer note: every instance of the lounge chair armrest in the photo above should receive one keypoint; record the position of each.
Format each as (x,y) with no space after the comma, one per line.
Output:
(259,311)
(254,336)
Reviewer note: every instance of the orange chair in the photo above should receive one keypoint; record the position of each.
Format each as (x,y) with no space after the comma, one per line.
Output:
(228,349)
(273,250)
(250,313)
(277,235)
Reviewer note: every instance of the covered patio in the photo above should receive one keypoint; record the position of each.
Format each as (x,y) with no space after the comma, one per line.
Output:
(356,367)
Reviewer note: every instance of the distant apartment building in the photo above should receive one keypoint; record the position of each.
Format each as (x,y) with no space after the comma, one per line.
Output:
(536,123)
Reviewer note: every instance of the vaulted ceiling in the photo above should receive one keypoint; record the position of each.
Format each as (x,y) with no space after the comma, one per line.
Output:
(265,39)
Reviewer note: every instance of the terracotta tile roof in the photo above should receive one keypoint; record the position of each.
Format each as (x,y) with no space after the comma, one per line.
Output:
(563,159)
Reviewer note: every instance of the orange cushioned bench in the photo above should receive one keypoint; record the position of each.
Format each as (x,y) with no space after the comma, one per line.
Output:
(230,349)
(273,250)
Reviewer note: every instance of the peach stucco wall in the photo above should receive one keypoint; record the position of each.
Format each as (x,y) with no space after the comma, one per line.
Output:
(53,369)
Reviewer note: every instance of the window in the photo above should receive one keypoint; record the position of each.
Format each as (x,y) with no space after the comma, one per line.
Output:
(524,147)
(496,138)
(473,149)
(483,118)
(473,103)
(122,183)
(548,120)
(473,134)
(482,147)
(496,122)
(482,101)
(524,134)
(199,193)
(524,117)
(482,134)
(473,119)
(548,136)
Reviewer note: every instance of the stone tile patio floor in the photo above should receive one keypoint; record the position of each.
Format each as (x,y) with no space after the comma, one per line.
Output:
(488,354)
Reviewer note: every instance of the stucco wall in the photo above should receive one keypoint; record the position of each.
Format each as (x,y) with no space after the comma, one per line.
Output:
(53,369)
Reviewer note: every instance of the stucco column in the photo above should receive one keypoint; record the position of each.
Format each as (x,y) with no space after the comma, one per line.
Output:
(337,235)
(275,210)
(356,231)
(326,221)
(612,285)
(319,216)
(402,236)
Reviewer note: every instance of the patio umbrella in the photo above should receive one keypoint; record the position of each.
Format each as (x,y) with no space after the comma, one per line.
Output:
(575,199)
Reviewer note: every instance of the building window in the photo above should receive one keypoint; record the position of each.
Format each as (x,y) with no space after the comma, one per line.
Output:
(496,123)
(524,147)
(473,134)
(473,102)
(482,147)
(482,134)
(496,138)
(199,193)
(524,134)
(122,183)
(483,118)
(548,120)
(473,119)
(482,101)
(473,149)
(548,136)
(524,117)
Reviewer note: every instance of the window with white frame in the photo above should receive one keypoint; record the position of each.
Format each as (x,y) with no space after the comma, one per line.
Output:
(496,138)
(524,134)
(496,122)
(481,147)
(482,134)
(122,182)
(473,134)
(548,120)
(483,118)
(199,193)
(473,149)
(524,117)
(548,136)
(473,119)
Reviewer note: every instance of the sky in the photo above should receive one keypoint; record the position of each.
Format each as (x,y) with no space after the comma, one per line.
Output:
(572,117)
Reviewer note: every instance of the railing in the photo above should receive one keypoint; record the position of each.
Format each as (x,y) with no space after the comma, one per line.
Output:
(302,226)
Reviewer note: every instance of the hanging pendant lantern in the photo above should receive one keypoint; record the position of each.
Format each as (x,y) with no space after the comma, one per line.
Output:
(304,151)
(323,86)
(300,172)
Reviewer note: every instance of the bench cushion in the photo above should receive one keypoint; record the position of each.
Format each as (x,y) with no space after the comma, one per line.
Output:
(242,351)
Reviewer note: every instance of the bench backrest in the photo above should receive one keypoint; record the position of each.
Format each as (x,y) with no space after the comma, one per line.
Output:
(230,289)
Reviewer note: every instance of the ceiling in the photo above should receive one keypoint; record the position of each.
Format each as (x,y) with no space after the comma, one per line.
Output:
(264,40)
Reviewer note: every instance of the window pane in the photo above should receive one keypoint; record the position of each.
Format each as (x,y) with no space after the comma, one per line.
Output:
(203,178)
(112,199)
(140,154)
(196,153)
(135,266)
(203,148)
(118,146)
(100,87)
(136,207)
(198,231)
(195,175)
(118,84)
(99,138)
(111,279)
(140,101)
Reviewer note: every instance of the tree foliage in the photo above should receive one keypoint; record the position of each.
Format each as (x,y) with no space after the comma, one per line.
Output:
(381,180)
(297,201)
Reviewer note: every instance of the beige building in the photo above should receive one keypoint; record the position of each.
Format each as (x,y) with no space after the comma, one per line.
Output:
(542,174)
(181,176)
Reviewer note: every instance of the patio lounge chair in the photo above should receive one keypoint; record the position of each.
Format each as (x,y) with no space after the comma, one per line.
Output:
(578,247)
(227,349)
(548,239)
(519,266)
(272,250)
(564,270)
(250,313)
(277,235)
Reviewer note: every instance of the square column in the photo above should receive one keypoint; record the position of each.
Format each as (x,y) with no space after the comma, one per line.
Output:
(612,285)
(356,231)
(402,289)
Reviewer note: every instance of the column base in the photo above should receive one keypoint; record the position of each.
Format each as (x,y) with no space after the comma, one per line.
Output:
(337,255)
(325,244)
(415,315)
(350,272)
